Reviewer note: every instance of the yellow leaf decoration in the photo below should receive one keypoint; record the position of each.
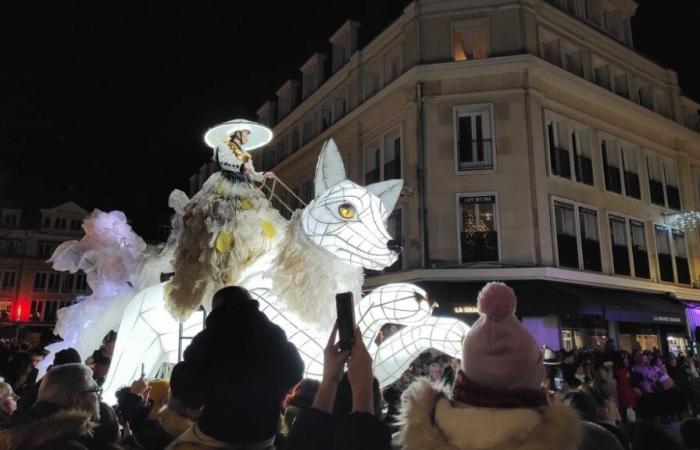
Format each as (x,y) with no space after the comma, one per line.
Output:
(219,191)
(245,203)
(269,229)
(225,242)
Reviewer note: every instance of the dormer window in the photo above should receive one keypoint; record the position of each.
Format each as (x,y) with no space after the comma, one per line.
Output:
(344,43)
(470,40)
(267,113)
(10,219)
(287,98)
(312,74)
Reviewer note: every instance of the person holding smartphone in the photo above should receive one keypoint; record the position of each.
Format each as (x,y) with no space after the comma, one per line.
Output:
(318,427)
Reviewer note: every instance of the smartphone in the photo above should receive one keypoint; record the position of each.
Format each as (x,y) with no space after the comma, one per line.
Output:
(346,320)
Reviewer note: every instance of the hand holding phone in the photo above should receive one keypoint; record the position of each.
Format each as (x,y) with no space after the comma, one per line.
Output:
(346,320)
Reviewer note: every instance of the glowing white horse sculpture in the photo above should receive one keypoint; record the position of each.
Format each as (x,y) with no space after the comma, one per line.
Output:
(324,250)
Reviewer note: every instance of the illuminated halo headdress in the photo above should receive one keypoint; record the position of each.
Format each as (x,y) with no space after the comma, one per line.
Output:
(260,135)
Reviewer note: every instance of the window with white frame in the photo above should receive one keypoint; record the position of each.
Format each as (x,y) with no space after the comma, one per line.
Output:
(340,107)
(663,182)
(640,252)
(478,228)
(383,158)
(629,247)
(306,191)
(373,154)
(50,311)
(601,73)
(395,229)
(326,117)
(54,282)
(81,284)
(59,223)
(573,60)
(630,170)
(673,194)
(46,248)
(470,40)
(581,152)
(656,180)
(40,281)
(551,50)
(620,169)
(569,144)
(373,82)
(661,102)
(620,245)
(10,219)
(75,224)
(294,140)
(672,254)
(473,132)
(646,95)
(10,247)
(392,67)
(620,82)
(577,237)
(307,132)
(36,309)
(7,279)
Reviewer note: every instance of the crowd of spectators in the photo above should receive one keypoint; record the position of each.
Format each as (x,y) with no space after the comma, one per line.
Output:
(504,393)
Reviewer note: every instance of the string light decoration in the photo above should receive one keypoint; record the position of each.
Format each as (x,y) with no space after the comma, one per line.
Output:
(686,220)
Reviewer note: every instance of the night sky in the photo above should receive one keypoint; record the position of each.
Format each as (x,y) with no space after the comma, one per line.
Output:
(105,102)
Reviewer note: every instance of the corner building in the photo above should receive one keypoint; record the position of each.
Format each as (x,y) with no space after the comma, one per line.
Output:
(537,147)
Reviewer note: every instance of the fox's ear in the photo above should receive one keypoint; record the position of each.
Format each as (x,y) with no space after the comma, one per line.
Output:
(330,169)
(388,192)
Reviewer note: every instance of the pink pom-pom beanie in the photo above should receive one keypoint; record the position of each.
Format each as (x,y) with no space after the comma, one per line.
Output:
(498,351)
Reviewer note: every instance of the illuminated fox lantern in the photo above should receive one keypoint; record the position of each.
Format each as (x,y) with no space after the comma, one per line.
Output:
(323,252)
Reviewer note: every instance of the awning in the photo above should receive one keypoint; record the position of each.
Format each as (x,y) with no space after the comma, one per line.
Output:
(540,298)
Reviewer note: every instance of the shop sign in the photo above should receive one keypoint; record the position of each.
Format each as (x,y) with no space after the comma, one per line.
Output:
(465,309)
(477,199)
(666,319)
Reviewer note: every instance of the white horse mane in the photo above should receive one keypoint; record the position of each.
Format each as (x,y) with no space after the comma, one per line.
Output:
(307,276)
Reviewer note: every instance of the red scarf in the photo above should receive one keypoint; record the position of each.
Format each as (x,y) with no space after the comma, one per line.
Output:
(467,391)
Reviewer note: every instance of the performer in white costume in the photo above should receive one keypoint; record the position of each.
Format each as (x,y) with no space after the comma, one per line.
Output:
(228,224)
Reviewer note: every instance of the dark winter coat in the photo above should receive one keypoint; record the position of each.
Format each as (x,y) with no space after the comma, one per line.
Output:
(149,433)
(318,430)
(47,426)
(239,368)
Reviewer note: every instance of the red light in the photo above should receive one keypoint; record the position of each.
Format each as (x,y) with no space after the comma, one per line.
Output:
(20,310)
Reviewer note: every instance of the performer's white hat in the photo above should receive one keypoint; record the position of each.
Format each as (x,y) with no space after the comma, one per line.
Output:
(260,135)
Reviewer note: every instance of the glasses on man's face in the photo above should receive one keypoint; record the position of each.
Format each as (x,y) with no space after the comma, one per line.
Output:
(96,390)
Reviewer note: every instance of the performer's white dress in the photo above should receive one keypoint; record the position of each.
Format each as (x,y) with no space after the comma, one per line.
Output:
(227,225)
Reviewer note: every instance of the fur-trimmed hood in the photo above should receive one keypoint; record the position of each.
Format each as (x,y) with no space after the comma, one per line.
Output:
(431,421)
(65,424)
(173,423)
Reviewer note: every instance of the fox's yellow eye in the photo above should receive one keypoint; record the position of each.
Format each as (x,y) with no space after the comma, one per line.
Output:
(346,211)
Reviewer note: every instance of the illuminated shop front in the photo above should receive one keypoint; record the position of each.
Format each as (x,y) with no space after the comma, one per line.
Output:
(572,316)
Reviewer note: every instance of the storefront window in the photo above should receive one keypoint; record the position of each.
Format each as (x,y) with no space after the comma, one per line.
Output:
(479,235)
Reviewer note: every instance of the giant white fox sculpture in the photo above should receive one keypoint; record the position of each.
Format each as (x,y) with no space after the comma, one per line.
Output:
(324,250)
